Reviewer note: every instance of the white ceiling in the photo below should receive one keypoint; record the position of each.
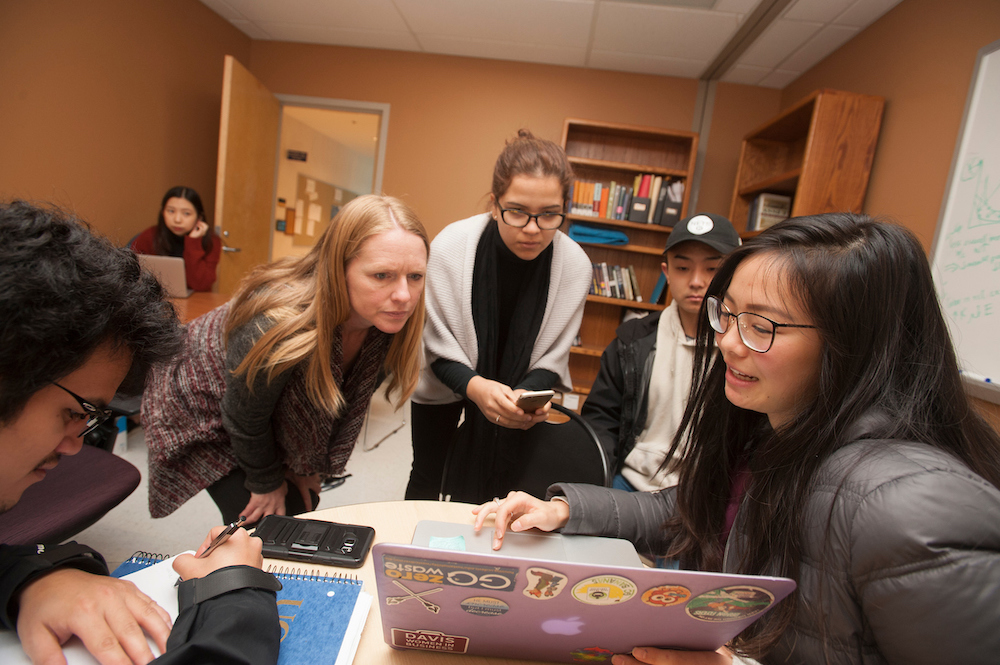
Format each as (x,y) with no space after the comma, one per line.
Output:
(668,37)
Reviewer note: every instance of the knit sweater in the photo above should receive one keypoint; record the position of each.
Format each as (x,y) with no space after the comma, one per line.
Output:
(201,421)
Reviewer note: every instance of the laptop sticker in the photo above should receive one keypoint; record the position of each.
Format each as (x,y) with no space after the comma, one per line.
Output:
(429,640)
(666,595)
(592,655)
(419,597)
(477,576)
(455,543)
(543,584)
(485,606)
(731,603)
(604,590)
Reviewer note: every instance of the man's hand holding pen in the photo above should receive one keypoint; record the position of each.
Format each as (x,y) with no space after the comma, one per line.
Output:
(240,549)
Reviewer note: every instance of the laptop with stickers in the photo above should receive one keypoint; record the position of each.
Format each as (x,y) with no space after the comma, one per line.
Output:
(453,594)
(169,270)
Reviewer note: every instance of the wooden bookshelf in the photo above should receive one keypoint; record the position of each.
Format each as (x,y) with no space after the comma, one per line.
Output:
(819,152)
(605,152)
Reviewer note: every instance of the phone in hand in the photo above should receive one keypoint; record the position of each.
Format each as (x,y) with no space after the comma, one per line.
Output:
(314,541)
(532,400)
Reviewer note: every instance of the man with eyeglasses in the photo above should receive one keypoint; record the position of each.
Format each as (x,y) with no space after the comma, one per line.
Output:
(638,398)
(81,321)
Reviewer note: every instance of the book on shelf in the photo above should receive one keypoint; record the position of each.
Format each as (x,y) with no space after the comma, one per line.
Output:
(659,289)
(767,210)
(615,281)
(661,199)
(644,185)
(639,203)
(654,195)
(321,616)
(636,294)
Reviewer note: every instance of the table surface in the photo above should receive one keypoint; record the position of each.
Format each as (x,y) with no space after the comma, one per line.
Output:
(198,303)
(394,522)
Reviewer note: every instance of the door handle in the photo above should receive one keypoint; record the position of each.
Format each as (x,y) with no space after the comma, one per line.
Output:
(227,248)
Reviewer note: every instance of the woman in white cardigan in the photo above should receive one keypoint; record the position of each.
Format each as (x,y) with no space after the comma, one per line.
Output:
(505,294)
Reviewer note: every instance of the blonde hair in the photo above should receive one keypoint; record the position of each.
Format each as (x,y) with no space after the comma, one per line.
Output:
(306,298)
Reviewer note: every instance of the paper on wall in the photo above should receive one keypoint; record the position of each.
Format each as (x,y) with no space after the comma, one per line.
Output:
(300,214)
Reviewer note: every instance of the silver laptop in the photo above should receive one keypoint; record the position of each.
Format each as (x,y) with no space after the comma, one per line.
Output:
(445,594)
(169,270)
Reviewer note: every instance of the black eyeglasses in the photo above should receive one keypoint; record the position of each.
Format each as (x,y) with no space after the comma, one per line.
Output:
(547,221)
(756,331)
(94,415)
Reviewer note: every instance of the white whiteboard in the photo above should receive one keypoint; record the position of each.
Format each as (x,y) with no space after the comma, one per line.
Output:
(966,256)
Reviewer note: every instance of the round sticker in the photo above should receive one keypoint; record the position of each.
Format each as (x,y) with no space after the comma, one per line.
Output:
(604,590)
(485,606)
(699,225)
(666,595)
(730,603)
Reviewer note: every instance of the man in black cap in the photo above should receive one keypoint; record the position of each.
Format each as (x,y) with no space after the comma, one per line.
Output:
(650,360)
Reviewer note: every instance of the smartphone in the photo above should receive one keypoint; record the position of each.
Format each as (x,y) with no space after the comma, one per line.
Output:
(532,400)
(313,541)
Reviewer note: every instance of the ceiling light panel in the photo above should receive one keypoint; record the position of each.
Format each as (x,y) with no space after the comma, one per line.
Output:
(680,33)
(542,22)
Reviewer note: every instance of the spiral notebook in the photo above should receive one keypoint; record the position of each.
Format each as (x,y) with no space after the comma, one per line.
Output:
(321,616)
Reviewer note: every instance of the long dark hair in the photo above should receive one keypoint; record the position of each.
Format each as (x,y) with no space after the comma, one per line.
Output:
(867,287)
(64,292)
(162,238)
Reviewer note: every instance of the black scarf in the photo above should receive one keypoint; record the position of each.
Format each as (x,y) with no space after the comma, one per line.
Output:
(508,304)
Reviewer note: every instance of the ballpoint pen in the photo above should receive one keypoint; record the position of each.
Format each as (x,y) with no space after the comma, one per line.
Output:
(224,536)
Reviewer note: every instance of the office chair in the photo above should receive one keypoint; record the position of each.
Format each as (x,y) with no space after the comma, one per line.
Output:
(557,452)
(71,497)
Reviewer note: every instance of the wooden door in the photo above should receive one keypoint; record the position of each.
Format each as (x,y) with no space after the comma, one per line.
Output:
(248,142)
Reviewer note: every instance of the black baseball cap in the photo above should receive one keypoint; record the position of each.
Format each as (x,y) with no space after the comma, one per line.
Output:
(714,230)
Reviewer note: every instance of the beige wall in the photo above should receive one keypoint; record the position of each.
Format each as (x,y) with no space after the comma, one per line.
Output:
(450,116)
(920,57)
(106,104)
(105,107)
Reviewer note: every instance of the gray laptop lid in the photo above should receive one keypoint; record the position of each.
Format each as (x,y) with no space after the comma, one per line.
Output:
(169,270)
(533,545)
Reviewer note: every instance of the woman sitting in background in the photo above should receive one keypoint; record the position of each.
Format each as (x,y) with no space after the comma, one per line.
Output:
(272,388)
(829,441)
(182,231)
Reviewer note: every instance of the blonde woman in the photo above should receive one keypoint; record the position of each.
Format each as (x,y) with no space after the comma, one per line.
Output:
(273,387)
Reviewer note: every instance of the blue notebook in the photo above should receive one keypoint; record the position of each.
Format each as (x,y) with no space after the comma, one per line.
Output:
(321,616)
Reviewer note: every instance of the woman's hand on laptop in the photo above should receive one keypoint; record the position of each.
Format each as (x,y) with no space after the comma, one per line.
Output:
(651,656)
(520,511)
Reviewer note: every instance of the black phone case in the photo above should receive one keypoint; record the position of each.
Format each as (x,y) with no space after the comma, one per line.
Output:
(328,543)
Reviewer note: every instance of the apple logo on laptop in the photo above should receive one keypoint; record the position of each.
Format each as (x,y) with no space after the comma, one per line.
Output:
(570,626)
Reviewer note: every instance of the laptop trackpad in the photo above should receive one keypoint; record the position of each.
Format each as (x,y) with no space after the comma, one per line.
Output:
(529,545)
